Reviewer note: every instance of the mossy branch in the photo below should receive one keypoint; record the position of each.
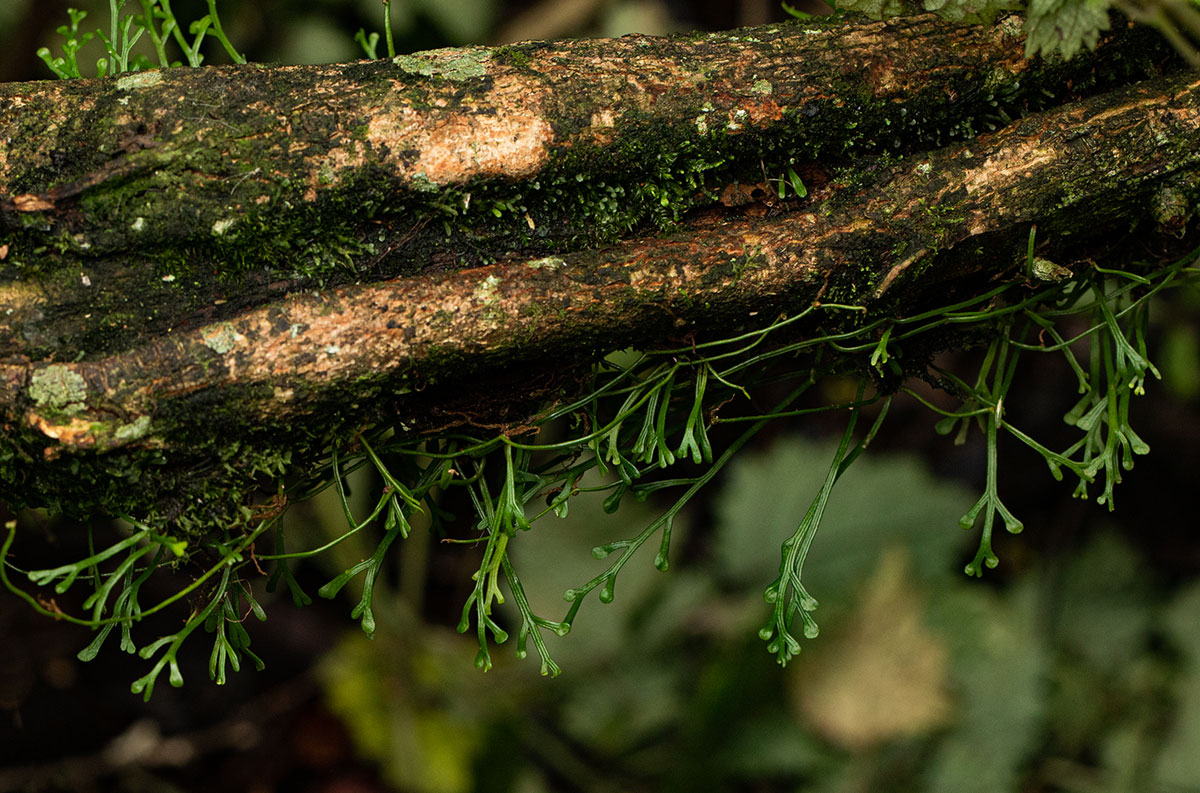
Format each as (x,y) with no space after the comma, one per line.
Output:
(209,279)
(954,217)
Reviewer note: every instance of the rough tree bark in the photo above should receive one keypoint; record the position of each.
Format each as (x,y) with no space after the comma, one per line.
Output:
(191,259)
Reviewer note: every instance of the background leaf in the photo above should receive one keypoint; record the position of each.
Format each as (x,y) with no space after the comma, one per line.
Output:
(1064,26)
(970,11)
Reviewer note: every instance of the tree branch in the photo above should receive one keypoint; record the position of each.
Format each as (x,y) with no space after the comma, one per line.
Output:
(152,223)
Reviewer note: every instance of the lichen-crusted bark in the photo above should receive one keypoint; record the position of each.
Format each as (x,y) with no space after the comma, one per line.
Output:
(163,199)
(138,315)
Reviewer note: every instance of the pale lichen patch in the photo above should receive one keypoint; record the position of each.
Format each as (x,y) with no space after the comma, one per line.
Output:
(485,292)
(549,263)
(223,225)
(451,63)
(58,388)
(423,184)
(1046,270)
(220,338)
(139,80)
(132,431)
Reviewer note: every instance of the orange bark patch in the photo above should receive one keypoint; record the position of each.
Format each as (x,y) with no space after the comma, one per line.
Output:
(77,432)
(31,203)
(515,146)
(504,135)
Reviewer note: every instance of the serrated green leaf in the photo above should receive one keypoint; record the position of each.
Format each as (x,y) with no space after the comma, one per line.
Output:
(999,663)
(876,9)
(1177,763)
(1105,591)
(1064,26)
(980,12)
(881,499)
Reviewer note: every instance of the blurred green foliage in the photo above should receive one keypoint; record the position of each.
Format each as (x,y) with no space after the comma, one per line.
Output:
(323,31)
(1080,675)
